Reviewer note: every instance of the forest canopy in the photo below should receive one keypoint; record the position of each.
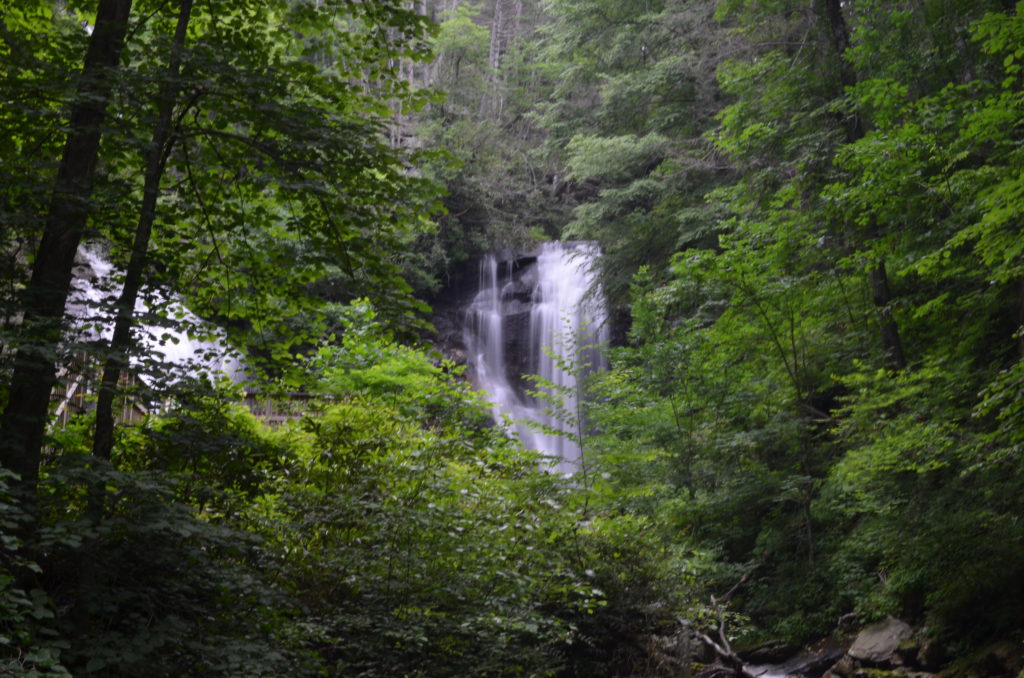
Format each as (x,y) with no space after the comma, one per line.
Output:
(809,215)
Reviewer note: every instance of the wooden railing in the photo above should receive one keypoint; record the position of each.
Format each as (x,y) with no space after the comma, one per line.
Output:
(274,411)
(76,395)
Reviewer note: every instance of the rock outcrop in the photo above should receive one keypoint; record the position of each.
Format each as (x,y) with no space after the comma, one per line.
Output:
(877,644)
(890,648)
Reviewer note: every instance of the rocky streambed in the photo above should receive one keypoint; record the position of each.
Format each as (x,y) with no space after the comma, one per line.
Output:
(887,649)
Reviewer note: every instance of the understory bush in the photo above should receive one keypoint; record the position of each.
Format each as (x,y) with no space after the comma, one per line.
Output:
(393,530)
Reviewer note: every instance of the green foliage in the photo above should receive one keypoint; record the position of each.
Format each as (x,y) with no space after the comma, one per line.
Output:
(623,538)
(322,197)
(633,99)
(849,169)
(30,644)
(215,474)
(417,539)
(164,583)
(417,552)
(461,48)
(499,192)
(754,409)
(40,44)
(394,530)
(370,362)
(614,158)
(902,488)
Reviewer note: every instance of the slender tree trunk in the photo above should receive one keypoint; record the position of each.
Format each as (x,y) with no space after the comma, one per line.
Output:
(156,155)
(883,302)
(120,345)
(490,99)
(1018,318)
(24,418)
(877,276)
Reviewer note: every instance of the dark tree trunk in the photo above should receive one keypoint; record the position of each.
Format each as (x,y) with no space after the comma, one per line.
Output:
(156,155)
(1019,318)
(24,419)
(120,345)
(854,127)
(883,302)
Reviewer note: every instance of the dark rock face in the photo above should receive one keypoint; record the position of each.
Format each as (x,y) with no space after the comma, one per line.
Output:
(448,335)
(518,272)
(882,646)
(448,316)
(517,347)
(890,648)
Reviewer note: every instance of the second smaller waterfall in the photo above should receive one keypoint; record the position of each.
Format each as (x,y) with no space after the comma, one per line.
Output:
(551,331)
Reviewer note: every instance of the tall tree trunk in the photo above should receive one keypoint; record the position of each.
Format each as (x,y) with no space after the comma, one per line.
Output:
(491,99)
(1019,318)
(883,302)
(24,418)
(120,345)
(878,278)
(156,155)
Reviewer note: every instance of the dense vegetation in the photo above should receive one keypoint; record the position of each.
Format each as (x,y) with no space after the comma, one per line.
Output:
(810,214)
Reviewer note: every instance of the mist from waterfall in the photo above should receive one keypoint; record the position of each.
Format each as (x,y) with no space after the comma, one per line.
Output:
(187,343)
(566,324)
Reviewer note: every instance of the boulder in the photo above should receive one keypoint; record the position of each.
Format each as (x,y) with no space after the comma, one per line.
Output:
(844,668)
(877,643)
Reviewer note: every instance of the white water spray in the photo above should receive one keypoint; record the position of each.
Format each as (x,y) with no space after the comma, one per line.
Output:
(566,323)
(91,301)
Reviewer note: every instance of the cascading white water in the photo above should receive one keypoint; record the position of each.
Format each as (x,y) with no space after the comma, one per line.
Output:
(566,321)
(93,291)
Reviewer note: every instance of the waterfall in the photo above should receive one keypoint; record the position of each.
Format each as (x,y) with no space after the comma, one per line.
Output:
(541,315)
(95,286)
